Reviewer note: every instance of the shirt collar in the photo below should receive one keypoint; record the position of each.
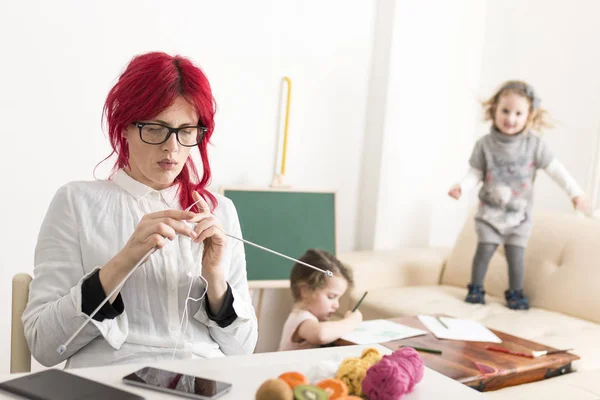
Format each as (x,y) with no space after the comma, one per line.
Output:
(170,195)
(504,138)
(138,190)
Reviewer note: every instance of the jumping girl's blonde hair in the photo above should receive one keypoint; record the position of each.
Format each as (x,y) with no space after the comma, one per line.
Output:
(538,118)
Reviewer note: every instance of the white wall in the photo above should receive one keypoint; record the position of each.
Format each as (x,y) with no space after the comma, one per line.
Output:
(60,58)
(553,45)
(428,124)
(444,58)
(374,130)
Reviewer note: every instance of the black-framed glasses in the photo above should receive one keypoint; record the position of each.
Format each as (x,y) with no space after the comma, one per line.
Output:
(155,133)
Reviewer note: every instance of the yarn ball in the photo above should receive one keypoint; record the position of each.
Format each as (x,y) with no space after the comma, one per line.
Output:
(352,371)
(410,360)
(385,381)
(394,376)
(371,355)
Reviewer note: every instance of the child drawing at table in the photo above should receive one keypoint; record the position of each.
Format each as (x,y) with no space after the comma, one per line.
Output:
(316,300)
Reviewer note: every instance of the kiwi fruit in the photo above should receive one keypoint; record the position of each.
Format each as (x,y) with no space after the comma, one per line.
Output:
(309,392)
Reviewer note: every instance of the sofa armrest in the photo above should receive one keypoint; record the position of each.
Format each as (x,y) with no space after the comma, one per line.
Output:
(393,268)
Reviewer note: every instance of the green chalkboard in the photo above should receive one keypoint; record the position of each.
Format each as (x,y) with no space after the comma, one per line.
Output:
(289,222)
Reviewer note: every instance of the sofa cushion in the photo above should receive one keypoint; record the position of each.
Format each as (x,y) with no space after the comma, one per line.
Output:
(546,327)
(561,262)
(392,268)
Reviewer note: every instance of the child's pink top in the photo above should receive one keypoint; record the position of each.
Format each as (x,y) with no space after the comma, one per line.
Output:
(296,317)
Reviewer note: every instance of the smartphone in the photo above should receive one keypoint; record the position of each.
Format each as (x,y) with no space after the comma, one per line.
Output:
(175,383)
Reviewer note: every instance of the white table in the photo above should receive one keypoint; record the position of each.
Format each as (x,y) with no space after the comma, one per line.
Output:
(247,373)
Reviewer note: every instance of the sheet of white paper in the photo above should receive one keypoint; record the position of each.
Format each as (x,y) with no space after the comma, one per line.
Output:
(380,331)
(459,329)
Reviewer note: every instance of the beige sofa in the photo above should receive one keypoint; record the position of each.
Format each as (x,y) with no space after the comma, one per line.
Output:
(562,280)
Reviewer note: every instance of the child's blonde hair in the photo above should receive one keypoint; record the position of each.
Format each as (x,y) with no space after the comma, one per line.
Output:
(538,119)
(302,276)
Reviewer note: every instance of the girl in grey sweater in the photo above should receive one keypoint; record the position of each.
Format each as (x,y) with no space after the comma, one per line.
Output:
(506,161)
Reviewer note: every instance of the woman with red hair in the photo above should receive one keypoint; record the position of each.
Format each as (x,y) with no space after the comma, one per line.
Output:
(94,234)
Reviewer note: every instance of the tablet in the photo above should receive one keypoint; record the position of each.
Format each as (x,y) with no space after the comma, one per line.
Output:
(55,384)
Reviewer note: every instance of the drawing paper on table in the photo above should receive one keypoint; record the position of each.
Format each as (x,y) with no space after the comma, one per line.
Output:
(458,329)
(380,331)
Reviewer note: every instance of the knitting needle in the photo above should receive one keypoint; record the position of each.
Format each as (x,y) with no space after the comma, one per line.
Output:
(326,272)
(63,347)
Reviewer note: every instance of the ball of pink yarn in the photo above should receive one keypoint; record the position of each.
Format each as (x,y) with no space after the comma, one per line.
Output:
(394,376)
(385,381)
(410,358)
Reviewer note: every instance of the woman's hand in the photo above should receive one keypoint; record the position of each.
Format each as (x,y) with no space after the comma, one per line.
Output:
(455,192)
(209,232)
(214,239)
(155,230)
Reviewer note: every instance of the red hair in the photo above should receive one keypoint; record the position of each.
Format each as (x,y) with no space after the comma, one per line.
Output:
(150,84)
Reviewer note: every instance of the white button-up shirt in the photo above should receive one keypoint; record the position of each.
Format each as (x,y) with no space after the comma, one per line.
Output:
(86,225)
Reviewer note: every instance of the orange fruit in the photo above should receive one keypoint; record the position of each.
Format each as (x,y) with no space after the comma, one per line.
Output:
(351,397)
(335,388)
(294,379)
